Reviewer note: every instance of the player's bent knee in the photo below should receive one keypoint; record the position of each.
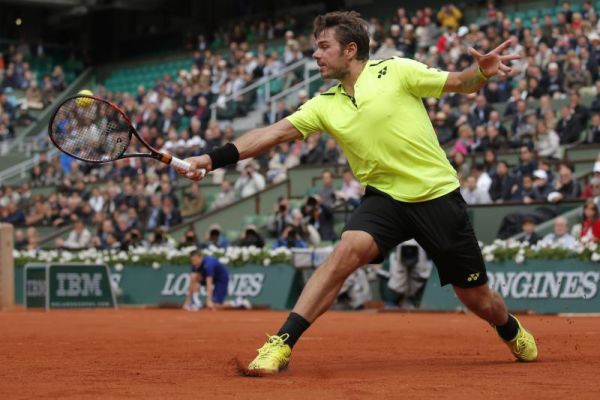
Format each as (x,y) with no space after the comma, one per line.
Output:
(344,260)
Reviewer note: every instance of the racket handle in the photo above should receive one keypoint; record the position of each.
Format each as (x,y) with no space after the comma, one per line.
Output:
(184,165)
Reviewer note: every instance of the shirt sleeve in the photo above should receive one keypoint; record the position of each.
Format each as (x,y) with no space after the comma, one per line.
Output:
(307,119)
(421,80)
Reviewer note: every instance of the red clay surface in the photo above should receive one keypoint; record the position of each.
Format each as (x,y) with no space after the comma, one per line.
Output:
(172,354)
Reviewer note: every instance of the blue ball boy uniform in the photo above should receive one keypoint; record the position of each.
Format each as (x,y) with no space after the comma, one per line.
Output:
(211,267)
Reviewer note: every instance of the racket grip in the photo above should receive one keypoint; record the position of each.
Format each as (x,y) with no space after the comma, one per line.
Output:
(184,165)
(180,164)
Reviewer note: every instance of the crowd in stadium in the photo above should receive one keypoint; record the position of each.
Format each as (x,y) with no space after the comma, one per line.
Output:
(16,74)
(560,59)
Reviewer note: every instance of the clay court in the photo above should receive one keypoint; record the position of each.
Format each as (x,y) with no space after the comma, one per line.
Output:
(146,354)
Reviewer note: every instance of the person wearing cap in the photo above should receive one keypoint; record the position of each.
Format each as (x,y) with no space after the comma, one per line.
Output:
(215,238)
(250,237)
(377,116)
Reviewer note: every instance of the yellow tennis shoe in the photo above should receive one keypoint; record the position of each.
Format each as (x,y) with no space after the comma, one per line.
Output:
(273,356)
(523,345)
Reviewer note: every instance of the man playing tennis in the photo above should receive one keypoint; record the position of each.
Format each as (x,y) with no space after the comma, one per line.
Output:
(378,118)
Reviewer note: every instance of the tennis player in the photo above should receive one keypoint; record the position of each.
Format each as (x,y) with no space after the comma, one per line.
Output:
(376,115)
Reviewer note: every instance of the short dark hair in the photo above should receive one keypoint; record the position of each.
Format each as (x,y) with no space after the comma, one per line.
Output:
(349,27)
(195,253)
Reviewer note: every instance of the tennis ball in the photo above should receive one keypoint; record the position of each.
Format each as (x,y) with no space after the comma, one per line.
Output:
(84,102)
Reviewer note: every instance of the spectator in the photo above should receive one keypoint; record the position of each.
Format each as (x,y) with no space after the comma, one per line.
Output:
(449,17)
(459,163)
(320,216)
(189,239)
(331,155)
(465,142)
(527,192)
(351,191)
(280,218)
(193,201)
(289,238)
(576,77)
(590,225)
(482,177)
(472,194)
(529,234)
(313,152)
(547,142)
(34,96)
(282,159)
(561,236)
(552,82)
(214,237)
(495,140)
(481,111)
(527,163)
(442,128)
(592,135)
(569,127)
(250,237)
(79,238)
(225,197)
(591,189)
(567,187)
(541,183)
(250,181)
(327,191)
(169,216)
(503,184)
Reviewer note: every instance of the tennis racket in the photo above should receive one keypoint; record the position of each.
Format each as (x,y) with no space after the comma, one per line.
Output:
(95,130)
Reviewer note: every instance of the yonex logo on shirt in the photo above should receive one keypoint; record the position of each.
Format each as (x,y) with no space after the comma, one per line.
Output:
(382,72)
(473,277)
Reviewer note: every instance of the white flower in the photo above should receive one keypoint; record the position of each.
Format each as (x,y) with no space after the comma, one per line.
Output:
(135,258)
(595,257)
(16,254)
(118,267)
(155,265)
(266,262)
(224,260)
(489,257)
(519,258)
(593,246)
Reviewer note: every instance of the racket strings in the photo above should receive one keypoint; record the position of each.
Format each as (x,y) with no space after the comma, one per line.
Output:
(90,130)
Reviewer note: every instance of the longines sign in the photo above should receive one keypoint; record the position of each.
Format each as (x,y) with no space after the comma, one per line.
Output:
(240,284)
(565,286)
(546,284)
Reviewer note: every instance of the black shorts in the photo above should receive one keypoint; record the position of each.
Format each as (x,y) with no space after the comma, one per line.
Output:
(441,226)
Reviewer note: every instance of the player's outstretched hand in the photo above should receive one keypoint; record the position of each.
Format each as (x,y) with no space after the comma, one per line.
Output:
(495,63)
(201,165)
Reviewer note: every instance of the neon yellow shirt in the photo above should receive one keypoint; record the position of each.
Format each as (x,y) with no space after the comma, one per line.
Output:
(385,131)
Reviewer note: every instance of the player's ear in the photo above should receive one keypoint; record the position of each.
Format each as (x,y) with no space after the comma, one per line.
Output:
(350,50)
